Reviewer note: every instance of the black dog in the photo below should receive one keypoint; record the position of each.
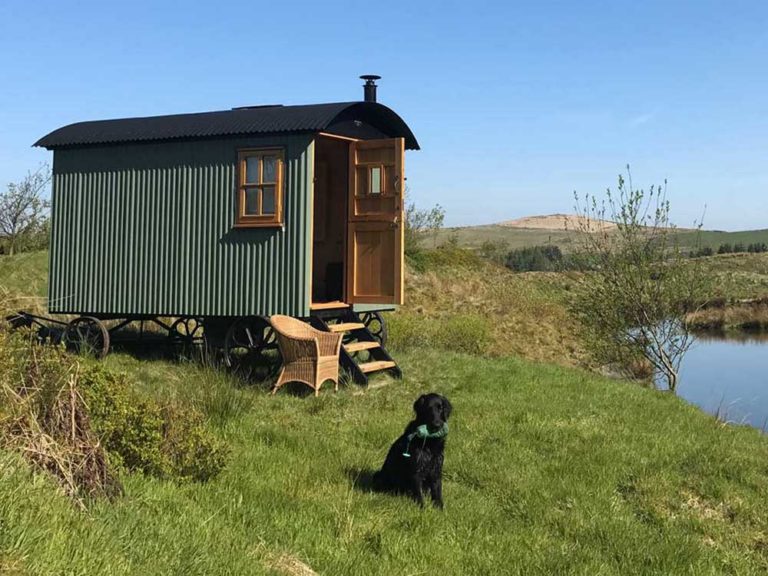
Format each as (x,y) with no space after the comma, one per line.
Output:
(415,461)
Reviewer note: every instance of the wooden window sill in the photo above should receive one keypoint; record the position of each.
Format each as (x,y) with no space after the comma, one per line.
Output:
(279,225)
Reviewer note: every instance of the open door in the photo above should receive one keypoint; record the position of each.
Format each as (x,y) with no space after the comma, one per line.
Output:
(375,221)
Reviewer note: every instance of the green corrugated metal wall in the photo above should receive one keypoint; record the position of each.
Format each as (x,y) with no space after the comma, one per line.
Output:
(146,229)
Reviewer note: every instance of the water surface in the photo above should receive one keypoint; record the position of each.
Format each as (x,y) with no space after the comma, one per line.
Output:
(728,375)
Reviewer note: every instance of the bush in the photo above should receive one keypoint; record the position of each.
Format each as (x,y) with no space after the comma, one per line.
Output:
(44,416)
(163,440)
(81,422)
(420,225)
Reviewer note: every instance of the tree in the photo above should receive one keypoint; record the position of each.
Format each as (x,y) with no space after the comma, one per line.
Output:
(23,210)
(633,305)
(420,224)
(535,259)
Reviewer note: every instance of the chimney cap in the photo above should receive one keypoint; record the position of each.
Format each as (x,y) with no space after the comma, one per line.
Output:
(370,78)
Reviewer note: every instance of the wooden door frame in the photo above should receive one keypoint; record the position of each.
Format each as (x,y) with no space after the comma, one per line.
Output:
(345,266)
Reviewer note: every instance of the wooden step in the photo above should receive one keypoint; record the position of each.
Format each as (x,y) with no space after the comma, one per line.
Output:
(358,346)
(376,366)
(345,326)
(335,305)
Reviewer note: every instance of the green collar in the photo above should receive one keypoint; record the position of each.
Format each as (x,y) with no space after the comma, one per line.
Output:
(423,432)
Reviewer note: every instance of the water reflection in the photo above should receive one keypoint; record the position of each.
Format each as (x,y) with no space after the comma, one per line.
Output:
(744,337)
(728,374)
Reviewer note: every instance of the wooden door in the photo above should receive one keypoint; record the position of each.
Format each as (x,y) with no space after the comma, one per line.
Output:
(375,221)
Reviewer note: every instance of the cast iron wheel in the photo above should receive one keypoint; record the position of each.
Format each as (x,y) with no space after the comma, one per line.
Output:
(87,335)
(186,338)
(251,345)
(375,324)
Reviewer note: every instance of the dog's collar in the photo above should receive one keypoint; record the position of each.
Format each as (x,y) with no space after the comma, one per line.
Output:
(423,432)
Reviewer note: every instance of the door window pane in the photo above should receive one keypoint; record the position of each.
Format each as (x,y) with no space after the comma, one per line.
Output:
(269,173)
(375,180)
(268,200)
(252,170)
(252,201)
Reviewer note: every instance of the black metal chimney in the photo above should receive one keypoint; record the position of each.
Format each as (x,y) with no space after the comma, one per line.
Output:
(369,88)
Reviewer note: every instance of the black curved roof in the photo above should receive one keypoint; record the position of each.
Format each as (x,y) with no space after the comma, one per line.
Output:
(344,116)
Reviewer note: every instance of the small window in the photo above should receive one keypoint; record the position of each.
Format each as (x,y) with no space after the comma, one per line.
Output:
(260,188)
(375,180)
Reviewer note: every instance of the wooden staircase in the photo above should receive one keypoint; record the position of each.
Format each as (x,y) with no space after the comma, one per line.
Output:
(361,353)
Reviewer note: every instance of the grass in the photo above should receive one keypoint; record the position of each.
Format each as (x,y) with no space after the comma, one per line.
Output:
(24,280)
(714,238)
(741,316)
(474,236)
(549,471)
(739,276)
(524,314)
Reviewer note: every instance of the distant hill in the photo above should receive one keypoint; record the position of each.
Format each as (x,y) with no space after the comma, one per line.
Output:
(563,222)
(562,230)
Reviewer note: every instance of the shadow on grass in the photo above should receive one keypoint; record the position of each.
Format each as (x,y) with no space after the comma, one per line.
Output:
(364,480)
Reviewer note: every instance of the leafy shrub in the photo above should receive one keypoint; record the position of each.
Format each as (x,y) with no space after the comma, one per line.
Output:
(420,225)
(167,441)
(468,333)
(80,422)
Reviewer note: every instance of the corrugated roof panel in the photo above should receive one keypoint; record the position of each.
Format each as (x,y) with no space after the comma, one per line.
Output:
(241,121)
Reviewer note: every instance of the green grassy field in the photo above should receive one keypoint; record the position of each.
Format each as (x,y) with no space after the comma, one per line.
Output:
(549,470)
(714,238)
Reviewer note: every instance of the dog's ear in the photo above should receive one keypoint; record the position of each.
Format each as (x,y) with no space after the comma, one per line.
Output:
(419,404)
(447,408)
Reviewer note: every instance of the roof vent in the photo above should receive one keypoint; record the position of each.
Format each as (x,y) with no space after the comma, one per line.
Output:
(257,106)
(369,88)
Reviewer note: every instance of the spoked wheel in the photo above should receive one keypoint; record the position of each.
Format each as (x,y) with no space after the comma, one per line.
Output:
(375,324)
(250,346)
(186,338)
(87,335)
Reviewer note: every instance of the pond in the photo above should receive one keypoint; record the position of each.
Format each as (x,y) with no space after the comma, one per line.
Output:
(728,375)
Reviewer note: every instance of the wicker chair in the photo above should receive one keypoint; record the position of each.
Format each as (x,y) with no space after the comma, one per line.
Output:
(309,356)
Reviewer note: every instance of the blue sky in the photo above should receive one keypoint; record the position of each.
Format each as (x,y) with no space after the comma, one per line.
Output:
(515,104)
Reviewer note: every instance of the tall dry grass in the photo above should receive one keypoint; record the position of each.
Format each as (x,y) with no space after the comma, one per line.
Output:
(44,417)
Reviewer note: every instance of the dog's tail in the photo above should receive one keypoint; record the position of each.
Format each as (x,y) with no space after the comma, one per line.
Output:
(379,480)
